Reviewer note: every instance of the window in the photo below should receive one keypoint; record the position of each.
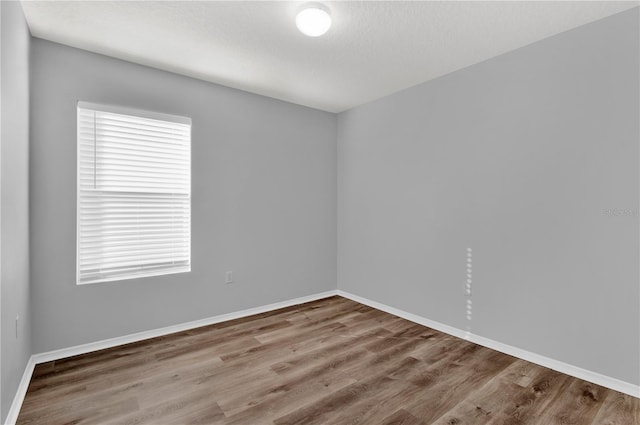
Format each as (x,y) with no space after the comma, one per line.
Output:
(134,194)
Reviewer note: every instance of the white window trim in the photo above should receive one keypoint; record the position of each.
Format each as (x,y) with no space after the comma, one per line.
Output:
(135,112)
(142,114)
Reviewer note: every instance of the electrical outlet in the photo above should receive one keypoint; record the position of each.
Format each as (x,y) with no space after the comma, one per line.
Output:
(228,277)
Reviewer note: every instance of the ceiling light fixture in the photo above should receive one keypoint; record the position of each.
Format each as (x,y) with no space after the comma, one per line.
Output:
(313,20)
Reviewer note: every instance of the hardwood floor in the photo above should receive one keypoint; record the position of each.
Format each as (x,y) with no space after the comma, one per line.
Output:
(331,361)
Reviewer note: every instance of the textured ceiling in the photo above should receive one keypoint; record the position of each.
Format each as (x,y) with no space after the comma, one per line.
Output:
(373,48)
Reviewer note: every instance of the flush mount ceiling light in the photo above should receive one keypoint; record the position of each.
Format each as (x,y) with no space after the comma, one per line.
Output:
(313,20)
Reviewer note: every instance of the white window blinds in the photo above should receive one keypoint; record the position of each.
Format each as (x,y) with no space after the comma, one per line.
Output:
(134,194)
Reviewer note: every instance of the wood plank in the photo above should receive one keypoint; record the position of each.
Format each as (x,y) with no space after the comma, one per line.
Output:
(618,409)
(330,361)
(495,403)
(578,402)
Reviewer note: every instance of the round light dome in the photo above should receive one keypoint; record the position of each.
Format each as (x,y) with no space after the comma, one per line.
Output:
(313,21)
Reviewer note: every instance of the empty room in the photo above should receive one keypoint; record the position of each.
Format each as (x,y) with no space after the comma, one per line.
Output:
(324,212)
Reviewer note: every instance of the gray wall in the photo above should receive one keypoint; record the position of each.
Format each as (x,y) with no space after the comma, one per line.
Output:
(14,204)
(521,158)
(263,201)
(530,158)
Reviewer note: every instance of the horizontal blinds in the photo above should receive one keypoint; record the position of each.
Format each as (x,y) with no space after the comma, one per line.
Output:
(134,194)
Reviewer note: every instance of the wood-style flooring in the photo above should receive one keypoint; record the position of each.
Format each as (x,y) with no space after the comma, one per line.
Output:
(331,361)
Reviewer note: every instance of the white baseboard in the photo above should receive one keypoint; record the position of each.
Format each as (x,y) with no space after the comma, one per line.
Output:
(587,375)
(113,342)
(596,378)
(12,416)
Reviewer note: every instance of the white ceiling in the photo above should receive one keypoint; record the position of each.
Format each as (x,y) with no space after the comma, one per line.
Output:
(374,48)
